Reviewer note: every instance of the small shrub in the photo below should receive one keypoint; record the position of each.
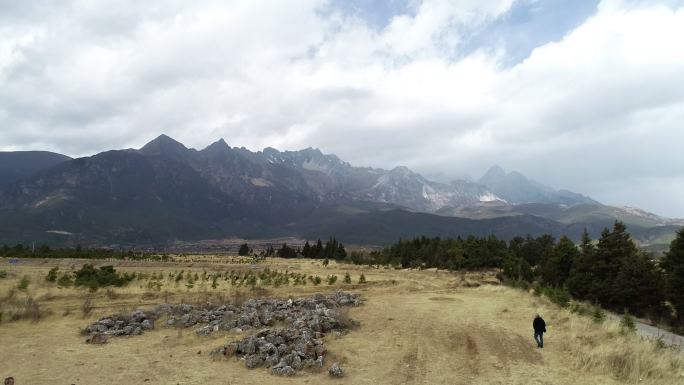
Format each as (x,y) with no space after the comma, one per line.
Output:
(332,279)
(154,285)
(251,281)
(627,323)
(52,275)
(65,280)
(559,296)
(347,278)
(3,274)
(26,309)
(659,343)
(86,307)
(317,280)
(362,278)
(598,315)
(24,283)
(579,309)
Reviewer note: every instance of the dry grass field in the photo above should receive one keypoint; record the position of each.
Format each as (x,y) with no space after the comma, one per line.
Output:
(416,327)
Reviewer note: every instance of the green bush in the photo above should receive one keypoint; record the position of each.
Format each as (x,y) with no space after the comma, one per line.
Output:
(518,284)
(52,275)
(627,323)
(598,315)
(347,278)
(251,281)
(557,295)
(332,279)
(65,280)
(579,309)
(92,278)
(362,278)
(24,283)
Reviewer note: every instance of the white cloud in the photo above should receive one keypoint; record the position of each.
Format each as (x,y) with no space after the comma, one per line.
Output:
(586,112)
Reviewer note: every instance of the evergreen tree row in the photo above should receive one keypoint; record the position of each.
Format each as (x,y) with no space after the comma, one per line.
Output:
(611,271)
(333,249)
(44,251)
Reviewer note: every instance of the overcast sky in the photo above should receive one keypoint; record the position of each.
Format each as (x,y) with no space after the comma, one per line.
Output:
(584,95)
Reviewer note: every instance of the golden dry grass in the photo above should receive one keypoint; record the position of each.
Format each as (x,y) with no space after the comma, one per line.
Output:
(416,327)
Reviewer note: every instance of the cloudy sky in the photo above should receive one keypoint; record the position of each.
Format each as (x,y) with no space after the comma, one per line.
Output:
(585,95)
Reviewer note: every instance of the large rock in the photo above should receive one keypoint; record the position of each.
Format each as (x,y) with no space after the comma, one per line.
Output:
(335,370)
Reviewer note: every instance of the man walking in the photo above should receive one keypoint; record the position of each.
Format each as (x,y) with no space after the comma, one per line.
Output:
(539,329)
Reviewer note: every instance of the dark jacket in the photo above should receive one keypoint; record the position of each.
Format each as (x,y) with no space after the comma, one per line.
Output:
(539,325)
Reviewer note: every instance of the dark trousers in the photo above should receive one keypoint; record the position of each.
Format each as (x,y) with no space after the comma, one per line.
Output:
(539,337)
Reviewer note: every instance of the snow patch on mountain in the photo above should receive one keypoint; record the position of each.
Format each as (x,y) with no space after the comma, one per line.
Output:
(490,197)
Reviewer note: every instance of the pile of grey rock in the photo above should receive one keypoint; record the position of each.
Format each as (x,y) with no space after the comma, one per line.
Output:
(288,333)
(120,325)
(316,312)
(298,344)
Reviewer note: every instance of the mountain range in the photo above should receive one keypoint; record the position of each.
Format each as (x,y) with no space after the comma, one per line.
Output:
(165,192)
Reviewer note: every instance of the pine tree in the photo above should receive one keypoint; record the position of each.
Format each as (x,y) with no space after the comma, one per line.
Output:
(586,245)
(556,269)
(340,253)
(244,250)
(611,252)
(582,278)
(638,287)
(673,264)
(306,251)
(319,249)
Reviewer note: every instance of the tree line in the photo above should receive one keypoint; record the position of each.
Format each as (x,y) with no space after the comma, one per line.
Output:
(45,251)
(333,249)
(610,271)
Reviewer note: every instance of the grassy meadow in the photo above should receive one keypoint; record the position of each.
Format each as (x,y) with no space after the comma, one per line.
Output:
(416,327)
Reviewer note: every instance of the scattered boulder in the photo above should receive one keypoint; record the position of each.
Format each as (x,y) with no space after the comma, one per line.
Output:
(335,370)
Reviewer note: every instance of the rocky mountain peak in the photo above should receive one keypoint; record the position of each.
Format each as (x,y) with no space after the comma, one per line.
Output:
(495,172)
(163,144)
(219,146)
